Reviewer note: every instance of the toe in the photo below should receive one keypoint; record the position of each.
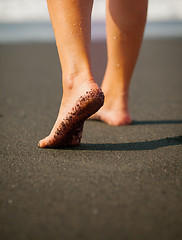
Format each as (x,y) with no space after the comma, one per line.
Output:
(43,143)
(40,144)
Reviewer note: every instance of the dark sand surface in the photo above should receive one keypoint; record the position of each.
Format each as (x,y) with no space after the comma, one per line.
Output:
(121,183)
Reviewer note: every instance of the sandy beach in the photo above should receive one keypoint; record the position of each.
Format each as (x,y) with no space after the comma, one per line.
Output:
(121,182)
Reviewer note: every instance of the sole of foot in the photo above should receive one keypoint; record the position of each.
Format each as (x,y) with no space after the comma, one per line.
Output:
(69,131)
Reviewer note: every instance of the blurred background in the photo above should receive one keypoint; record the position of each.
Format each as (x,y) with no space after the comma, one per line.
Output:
(125,181)
(24,20)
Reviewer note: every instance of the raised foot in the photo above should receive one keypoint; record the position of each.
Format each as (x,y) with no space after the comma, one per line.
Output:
(69,131)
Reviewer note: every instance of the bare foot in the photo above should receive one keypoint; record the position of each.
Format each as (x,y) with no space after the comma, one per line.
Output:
(115,111)
(77,105)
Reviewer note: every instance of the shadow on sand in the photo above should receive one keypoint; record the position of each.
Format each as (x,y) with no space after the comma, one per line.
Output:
(150,122)
(133,146)
(147,122)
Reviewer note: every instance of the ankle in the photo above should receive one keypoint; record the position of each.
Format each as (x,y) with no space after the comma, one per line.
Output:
(115,83)
(117,101)
(115,92)
(74,79)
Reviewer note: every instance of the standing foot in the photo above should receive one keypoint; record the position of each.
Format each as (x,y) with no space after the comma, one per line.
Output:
(112,118)
(115,111)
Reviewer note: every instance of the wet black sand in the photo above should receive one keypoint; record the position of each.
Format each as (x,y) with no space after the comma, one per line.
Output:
(121,183)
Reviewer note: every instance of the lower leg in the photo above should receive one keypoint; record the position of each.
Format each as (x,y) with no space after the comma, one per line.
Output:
(125,21)
(71,20)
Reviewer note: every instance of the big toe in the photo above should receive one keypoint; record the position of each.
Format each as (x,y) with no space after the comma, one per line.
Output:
(44,142)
